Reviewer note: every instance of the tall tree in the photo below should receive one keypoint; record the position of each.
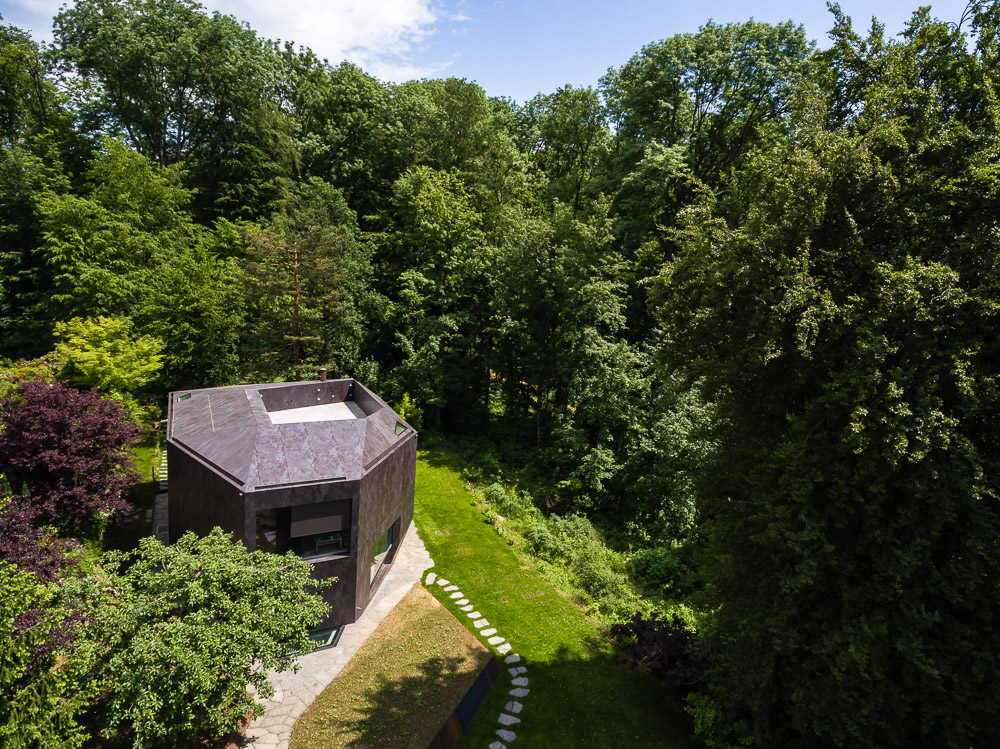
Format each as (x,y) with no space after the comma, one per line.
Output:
(181,86)
(707,98)
(844,318)
(305,272)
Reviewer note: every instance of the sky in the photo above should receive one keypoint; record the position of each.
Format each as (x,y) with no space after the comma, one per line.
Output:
(513,48)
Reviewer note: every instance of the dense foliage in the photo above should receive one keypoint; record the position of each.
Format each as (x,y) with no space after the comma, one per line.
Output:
(726,320)
(206,617)
(70,449)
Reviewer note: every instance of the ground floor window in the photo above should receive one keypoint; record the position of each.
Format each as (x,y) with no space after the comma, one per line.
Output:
(325,637)
(382,550)
(322,544)
(312,531)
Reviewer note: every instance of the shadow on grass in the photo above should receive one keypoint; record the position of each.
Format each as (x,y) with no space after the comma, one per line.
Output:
(574,702)
(438,455)
(406,711)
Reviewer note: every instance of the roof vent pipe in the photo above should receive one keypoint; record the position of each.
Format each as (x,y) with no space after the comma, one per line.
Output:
(322,375)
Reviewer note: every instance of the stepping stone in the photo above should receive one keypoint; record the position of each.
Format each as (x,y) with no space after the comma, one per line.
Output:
(487,632)
(504,649)
(431,577)
(450,588)
(442,582)
(498,745)
(480,623)
(517,671)
(519,692)
(456,594)
(512,658)
(474,615)
(506,735)
(463,602)
(470,607)
(495,640)
(513,707)
(507,720)
(520,681)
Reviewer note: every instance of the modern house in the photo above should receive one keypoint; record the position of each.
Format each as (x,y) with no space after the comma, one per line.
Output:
(324,469)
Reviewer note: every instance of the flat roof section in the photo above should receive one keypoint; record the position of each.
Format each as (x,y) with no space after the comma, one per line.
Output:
(322,412)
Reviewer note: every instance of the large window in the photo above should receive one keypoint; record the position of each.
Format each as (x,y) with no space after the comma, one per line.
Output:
(382,551)
(312,531)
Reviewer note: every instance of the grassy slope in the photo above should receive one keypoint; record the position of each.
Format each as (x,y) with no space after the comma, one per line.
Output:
(401,685)
(578,696)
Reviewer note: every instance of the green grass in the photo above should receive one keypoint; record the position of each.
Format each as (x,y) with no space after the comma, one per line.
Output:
(401,686)
(579,697)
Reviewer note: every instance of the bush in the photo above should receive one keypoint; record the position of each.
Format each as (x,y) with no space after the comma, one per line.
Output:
(506,501)
(596,573)
(542,542)
(410,412)
(668,649)
(662,566)
(574,531)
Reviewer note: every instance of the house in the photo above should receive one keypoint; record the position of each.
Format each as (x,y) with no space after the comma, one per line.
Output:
(322,468)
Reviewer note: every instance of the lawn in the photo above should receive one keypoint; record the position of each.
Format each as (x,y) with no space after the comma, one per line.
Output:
(400,687)
(579,697)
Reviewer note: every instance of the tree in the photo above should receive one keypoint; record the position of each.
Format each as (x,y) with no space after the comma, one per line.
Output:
(40,690)
(571,139)
(707,98)
(26,547)
(208,618)
(102,353)
(182,86)
(71,448)
(28,100)
(843,319)
(165,75)
(105,249)
(198,310)
(434,274)
(305,272)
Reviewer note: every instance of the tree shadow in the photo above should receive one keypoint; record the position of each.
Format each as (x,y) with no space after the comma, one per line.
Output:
(409,711)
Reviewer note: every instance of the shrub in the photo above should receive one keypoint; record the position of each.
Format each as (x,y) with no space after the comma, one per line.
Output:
(596,573)
(506,501)
(542,542)
(668,649)
(573,531)
(662,566)
(410,412)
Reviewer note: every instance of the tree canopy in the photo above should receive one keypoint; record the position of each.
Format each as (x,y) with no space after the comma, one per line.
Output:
(728,314)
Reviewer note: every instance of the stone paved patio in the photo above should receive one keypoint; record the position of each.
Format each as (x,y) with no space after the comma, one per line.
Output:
(294,692)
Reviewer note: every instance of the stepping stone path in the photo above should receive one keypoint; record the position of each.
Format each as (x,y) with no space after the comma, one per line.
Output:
(517,673)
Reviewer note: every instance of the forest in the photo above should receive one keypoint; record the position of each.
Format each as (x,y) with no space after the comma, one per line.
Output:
(733,312)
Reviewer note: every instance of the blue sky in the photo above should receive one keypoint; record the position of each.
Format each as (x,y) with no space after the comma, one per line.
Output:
(513,48)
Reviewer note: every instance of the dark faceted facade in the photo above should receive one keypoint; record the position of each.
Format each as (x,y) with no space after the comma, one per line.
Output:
(325,469)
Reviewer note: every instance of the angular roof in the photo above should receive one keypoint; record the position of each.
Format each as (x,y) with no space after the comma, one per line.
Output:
(265,436)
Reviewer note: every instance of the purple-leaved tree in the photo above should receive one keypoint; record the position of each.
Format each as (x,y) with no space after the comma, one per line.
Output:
(26,547)
(71,449)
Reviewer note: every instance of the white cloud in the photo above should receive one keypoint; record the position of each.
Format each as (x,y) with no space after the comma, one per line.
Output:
(382,36)
(385,37)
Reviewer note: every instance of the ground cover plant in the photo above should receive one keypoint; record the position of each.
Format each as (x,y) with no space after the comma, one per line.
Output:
(580,696)
(402,684)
